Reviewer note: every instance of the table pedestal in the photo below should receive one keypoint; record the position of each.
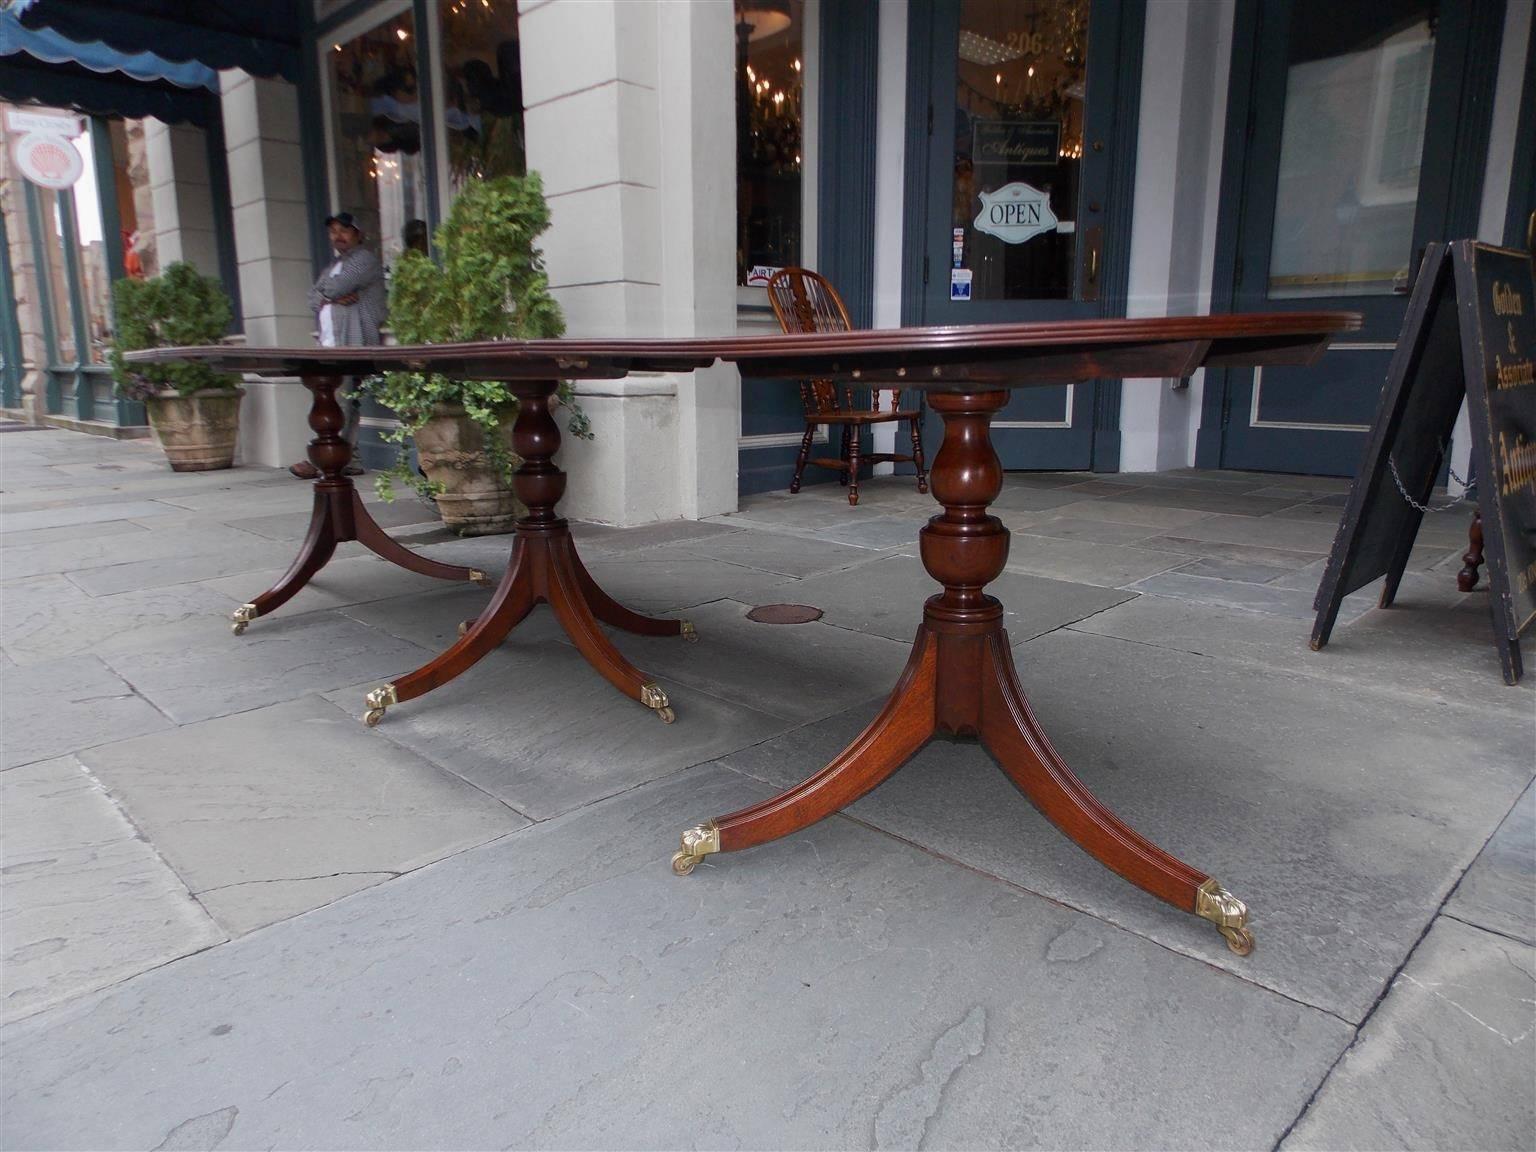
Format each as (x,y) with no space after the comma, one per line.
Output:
(960,680)
(339,515)
(544,567)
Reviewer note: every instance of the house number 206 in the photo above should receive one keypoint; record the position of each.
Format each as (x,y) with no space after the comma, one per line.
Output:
(1026,43)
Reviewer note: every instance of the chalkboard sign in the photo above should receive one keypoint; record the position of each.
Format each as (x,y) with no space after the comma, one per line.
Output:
(1470,332)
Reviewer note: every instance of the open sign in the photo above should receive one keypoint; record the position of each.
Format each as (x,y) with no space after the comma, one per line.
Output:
(1015,213)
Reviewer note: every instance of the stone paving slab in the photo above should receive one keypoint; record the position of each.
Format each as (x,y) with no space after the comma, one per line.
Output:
(797,556)
(561,988)
(536,726)
(878,532)
(26,521)
(1292,603)
(885,597)
(1128,512)
(1090,530)
(1257,531)
(196,670)
(1085,562)
(1447,1061)
(46,617)
(1499,890)
(800,672)
(431,618)
(64,705)
(353,580)
(1225,502)
(659,580)
(274,812)
(228,560)
(31,539)
(1287,807)
(294,525)
(88,903)
(1429,655)
(131,543)
(597,538)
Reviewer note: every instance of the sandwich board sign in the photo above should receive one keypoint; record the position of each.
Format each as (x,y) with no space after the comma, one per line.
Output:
(1470,332)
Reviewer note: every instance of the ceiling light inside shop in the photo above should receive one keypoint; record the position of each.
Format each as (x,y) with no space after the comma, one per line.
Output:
(977,49)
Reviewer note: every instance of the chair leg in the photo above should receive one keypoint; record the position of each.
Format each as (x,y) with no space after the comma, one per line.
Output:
(853,467)
(917,453)
(805,453)
(842,454)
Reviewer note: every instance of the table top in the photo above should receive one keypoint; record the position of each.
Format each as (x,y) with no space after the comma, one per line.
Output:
(949,358)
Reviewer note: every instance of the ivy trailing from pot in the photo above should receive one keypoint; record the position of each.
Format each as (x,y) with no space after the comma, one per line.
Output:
(490,284)
(193,410)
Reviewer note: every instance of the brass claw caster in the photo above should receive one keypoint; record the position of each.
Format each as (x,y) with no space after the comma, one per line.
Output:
(697,843)
(378,700)
(240,617)
(1227,912)
(652,696)
(689,633)
(238,627)
(478,577)
(464,627)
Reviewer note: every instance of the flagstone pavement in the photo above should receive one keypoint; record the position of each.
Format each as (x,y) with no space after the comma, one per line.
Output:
(234,917)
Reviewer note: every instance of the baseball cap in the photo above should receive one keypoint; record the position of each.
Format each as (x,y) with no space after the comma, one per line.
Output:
(345,219)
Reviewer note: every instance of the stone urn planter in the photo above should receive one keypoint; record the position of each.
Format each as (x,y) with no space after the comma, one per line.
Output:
(198,431)
(473,496)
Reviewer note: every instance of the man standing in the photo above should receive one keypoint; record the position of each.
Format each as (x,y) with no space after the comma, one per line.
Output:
(349,303)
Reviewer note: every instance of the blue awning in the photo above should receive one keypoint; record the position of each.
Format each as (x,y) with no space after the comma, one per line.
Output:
(53,47)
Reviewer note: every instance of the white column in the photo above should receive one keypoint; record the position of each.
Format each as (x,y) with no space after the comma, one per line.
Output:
(1185,66)
(628,118)
(181,195)
(271,222)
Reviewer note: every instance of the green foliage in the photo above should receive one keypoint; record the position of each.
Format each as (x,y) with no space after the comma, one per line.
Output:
(177,308)
(490,285)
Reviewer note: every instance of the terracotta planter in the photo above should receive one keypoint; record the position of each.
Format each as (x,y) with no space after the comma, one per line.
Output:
(475,500)
(197,432)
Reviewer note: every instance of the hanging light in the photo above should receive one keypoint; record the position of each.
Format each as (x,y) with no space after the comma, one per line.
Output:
(765,17)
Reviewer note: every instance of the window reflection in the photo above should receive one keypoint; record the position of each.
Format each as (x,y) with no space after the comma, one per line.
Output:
(483,82)
(376,102)
(769,83)
(1356,103)
(1019,107)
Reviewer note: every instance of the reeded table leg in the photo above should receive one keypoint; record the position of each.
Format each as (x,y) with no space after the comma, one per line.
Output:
(339,515)
(960,680)
(545,568)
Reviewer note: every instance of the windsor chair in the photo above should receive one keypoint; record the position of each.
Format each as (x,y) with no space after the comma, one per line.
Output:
(804,301)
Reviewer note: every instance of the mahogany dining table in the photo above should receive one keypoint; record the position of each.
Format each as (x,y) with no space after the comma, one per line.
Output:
(959,678)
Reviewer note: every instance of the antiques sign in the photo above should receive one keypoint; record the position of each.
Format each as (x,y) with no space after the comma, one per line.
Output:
(41,149)
(1015,213)
(1470,331)
(1030,142)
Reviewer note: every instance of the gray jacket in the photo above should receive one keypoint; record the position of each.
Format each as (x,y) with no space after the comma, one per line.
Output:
(357,323)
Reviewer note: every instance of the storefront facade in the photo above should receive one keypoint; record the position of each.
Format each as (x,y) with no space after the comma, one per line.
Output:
(941,161)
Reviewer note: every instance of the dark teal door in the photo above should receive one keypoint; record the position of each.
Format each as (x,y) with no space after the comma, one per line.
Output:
(1024,204)
(1365,138)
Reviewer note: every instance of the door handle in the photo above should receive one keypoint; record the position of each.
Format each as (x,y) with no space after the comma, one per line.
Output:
(1093,239)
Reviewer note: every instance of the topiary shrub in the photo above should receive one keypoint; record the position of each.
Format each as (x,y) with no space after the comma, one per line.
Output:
(179,307)
(490,285)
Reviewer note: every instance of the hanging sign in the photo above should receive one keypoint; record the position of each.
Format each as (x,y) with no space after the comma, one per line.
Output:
(47,161)
(23,120)
(1470,332)
(1015,213)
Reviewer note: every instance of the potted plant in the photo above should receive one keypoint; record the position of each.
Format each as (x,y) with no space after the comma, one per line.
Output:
(490,285)
(193,410)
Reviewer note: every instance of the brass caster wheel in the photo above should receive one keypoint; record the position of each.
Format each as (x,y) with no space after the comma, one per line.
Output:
(478,577)
(666,714)
(240,617)
(464,626)
(697,843)
(689,633)
(1240,940)
(378,700)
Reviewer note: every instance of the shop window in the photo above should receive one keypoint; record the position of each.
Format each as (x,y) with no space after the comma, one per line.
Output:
(91,245)
(375,98)
(770,72)
(135,200)
(482,89)
(55,254)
